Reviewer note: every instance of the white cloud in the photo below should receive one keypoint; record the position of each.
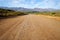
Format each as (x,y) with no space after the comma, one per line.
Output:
(33,3)
(46,3)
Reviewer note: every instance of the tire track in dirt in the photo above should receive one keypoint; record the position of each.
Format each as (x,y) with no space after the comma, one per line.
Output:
(6,24)
(49,30)
(33,27)
(13,26)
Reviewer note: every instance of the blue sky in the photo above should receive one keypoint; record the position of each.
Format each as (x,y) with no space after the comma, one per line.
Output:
(31,3)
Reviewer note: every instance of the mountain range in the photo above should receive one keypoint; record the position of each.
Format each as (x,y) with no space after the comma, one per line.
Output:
(28,9)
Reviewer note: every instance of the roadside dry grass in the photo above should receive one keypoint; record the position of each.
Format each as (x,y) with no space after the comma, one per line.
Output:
(53,17)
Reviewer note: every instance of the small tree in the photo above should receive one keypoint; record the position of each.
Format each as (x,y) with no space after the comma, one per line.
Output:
(53,13)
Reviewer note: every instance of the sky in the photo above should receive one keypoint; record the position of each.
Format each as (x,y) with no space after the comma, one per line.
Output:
(31,3)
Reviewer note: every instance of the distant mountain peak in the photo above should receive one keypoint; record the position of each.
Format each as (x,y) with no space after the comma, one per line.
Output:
(28,9)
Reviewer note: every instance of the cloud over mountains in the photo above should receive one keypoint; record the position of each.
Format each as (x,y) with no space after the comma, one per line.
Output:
(31,3)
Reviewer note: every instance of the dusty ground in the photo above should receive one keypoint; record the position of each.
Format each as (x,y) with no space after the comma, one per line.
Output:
(29,27)
(53,17)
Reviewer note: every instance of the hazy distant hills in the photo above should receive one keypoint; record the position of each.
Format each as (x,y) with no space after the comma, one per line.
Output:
(41,9)
(17,8)
(28,9)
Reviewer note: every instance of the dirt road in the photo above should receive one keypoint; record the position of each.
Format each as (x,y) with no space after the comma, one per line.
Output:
(29,27)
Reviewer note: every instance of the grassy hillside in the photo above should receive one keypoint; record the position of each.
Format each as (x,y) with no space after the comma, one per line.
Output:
(51,13)
(7,12)
(55,13)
